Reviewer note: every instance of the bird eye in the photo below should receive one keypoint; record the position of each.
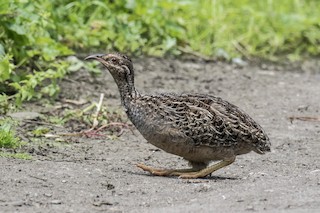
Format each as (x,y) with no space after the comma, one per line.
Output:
(113,60)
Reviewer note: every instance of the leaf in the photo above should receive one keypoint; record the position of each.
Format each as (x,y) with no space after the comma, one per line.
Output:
(2,52)
(5,68)
(19,29)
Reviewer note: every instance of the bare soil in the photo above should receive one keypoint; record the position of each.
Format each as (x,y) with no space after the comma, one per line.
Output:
(85,174)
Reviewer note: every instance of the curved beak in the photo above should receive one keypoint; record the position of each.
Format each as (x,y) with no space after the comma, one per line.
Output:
(95,56)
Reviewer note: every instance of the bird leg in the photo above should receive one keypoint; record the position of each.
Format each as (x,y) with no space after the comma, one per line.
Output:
(192,173)
(208,170)
(166,172)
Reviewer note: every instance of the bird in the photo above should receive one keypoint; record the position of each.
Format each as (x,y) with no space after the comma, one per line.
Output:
(201,128)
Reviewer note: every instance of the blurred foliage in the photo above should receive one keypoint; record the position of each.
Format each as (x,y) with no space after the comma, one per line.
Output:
(28,52)
(7,134)
(10,144)
(35,35)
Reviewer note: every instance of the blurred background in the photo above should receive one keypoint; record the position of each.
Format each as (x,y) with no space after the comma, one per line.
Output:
(36,36)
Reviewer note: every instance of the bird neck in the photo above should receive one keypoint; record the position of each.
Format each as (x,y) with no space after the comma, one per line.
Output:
(127,90)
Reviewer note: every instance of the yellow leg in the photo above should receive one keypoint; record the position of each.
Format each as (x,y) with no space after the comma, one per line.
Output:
(206,171)
(165,172)
(192,173)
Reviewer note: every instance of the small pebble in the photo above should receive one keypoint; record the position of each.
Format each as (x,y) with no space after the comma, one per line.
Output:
(264,66)
(239,62)
(251,208)
(56,202)
(47,194)
(15,203)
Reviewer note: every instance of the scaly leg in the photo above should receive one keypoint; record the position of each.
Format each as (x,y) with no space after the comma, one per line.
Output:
(192,173)
(206,171)
(166,172)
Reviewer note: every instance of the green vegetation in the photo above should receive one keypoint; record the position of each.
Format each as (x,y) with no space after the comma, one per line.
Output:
(9,141)
(37,39)
(23,156)
(95,117)
(40,131)
(35,35)
(7,135)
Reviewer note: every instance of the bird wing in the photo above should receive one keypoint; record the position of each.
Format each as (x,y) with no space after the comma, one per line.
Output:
(211,121)
(204,120)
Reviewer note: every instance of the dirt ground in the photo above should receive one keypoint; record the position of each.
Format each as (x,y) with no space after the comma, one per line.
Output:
(99,174)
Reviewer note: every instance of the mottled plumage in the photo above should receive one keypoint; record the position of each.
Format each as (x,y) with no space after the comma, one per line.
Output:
(199,128)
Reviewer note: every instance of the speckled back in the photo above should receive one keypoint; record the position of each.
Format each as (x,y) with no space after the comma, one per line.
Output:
(202,120)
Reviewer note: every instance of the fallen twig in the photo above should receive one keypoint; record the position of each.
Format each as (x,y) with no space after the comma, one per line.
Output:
(94,132)
(75,102)
(304,118)
(242,50)
(39,178)
(196,54)
(95,116)
(95,128)
(42,123)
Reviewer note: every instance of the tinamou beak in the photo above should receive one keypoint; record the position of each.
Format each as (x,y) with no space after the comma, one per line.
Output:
(94,56)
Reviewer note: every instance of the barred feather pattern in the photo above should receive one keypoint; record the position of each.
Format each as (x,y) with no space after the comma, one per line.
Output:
(200,128)
(202,120)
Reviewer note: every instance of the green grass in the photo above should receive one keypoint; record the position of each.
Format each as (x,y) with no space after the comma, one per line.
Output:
(7,135)
(8,139)
(35,35)
(9,142)
(23,156)
(265,29)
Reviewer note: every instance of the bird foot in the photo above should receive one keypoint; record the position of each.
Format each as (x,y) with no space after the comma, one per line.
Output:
(191,173)
(157,172)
